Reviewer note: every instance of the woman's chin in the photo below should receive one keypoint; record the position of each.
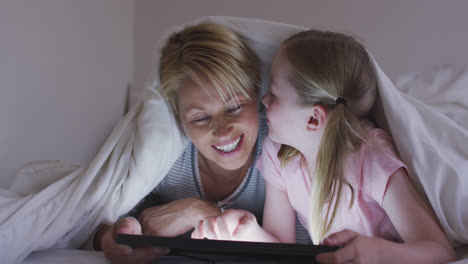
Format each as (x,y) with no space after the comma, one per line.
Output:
(234,164)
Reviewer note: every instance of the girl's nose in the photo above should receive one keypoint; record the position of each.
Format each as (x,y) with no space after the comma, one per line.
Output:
(266,100)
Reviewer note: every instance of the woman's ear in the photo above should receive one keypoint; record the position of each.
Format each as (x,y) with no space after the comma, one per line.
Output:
(317,118)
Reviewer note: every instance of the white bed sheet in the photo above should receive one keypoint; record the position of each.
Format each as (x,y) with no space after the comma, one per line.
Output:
(66,256)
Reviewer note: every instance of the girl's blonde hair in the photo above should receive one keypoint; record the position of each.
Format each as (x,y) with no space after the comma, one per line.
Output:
(208,52)
(327,66)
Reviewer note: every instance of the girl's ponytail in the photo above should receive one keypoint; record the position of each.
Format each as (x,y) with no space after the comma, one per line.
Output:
(332,70)
(341,137)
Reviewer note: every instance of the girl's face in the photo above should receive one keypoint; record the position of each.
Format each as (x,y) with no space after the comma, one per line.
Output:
(286,118)
(224,134)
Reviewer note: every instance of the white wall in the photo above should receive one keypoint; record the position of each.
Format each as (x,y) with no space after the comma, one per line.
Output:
(64,69)
(403,35)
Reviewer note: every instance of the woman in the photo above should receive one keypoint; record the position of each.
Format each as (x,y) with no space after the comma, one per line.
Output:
(212,82)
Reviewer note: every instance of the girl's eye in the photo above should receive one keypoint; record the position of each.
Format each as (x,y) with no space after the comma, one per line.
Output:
(201,121)
(272,95)
(234,109)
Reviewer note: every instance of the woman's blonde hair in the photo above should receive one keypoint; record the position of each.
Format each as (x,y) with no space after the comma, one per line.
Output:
(208,52)
(327,66)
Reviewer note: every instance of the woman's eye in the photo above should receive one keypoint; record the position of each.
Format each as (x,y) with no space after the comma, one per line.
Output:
(201,120)
(235,109)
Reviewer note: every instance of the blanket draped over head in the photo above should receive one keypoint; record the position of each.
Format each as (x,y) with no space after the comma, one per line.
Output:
(54,204)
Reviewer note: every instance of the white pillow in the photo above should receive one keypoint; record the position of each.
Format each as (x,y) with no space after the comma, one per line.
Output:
(445,88)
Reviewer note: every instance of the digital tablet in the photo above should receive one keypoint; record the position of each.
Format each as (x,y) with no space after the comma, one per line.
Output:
(257,250)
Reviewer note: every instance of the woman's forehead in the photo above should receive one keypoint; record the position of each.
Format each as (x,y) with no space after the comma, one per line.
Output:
(204,94)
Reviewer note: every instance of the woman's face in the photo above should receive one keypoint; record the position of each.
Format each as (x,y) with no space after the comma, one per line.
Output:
(222,133)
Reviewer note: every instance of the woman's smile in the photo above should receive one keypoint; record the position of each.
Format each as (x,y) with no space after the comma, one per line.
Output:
(230,147)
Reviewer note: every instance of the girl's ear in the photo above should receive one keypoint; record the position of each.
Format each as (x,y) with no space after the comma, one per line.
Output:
(317,118)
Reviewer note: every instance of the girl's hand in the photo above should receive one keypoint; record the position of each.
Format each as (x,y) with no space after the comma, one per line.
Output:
(231,225)
(356,248)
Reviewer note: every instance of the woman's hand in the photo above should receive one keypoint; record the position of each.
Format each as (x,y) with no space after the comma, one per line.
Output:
(176,218)
(231,225)
(117,253)
(356,248)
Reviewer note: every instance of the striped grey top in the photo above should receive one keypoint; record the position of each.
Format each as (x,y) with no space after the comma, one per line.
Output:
(183,181)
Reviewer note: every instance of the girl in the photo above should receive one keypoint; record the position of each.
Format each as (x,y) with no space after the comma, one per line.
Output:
(326,161)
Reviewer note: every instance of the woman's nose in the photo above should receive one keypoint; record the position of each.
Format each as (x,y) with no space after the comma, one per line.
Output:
(221,127)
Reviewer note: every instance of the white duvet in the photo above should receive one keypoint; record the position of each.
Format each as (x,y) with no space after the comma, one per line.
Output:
(54,204)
